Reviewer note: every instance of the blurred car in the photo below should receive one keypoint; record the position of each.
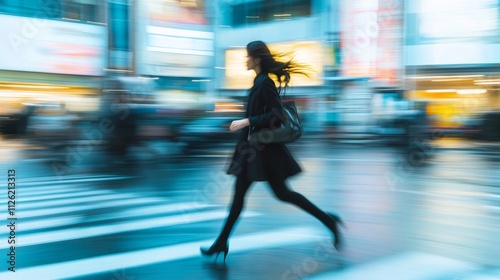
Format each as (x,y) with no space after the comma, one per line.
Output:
(470,129)
(132,106)
(402,127)
(50,122)
(490,127)
(13,123)
(207,131)
(490,131)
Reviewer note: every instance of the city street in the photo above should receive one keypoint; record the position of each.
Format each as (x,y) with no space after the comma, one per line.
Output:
(119,121)
(438,219)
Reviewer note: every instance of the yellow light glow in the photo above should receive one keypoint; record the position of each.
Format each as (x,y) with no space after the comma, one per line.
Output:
(487,83)
(487,80)
(32,86)
(441,90)
(443,77)
(448,80)
(471,91)
(310,53)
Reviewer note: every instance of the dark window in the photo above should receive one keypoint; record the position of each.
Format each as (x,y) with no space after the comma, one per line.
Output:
(119,26)
(32,8)
(54,9)
(73,11)
(264,11)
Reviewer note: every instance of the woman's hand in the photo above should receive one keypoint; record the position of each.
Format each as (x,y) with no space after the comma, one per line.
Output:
(239,124)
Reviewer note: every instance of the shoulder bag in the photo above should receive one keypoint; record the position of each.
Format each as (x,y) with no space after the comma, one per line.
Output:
(289,131)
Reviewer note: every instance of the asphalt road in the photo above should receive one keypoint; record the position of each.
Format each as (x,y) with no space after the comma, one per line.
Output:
(147,220)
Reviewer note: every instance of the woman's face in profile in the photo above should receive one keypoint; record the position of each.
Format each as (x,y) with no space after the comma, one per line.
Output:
(251,62)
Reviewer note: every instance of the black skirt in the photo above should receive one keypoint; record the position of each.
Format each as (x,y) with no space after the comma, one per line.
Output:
(259,162)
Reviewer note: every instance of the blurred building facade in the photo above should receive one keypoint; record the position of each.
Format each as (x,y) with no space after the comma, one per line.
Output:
(54,51)
(306,30)
(59,50)
(451,58)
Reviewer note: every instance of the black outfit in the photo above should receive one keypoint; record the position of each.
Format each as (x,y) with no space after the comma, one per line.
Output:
(271,162)
(261,161)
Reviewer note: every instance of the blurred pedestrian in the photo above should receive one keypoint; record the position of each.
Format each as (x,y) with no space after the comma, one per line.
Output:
(266,162)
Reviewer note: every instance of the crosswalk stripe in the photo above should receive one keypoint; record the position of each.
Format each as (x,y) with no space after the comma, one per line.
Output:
(65,195)
(68,177)
(73,181)
(47,223)
(158,209)
(81,218)
(52,203)
(68,209)
(65,180)
(405,266)
(61,187)
(22,193)
(108,263)
(119,227)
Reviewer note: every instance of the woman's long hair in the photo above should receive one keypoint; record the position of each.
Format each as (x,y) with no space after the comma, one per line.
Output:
(269,64)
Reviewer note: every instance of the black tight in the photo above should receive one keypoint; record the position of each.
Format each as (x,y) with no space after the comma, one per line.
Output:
(240,189)
(281,191)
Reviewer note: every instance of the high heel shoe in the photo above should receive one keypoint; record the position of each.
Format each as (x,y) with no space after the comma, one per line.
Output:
(338,241)
(216,248)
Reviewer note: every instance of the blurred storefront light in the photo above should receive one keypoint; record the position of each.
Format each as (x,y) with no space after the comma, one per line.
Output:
(310,53)
(32,86)
(488,83)
(487,80)
(75,98)
(443,77)
(179,32)
(440,90)
(149,78)
(448,80)
(228,107)
(472,91)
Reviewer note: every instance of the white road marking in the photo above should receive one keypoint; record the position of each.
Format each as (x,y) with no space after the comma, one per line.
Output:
(46,223)
(79,200)
(105,204)
(108,263)
(82,194)
(119,227)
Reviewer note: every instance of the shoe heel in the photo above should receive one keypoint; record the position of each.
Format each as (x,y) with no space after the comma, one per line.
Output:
(225,255)
(338,239)
(216,249)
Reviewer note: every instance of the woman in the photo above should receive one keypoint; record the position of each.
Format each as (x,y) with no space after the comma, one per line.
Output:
(265,162)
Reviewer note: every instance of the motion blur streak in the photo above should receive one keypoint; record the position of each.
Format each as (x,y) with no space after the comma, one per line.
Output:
(115,140)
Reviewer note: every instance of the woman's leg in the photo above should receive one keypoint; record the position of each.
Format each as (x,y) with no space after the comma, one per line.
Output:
(283,193)
(240,189)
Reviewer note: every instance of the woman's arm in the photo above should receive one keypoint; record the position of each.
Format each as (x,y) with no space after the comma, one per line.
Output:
(239,124)
(273,117)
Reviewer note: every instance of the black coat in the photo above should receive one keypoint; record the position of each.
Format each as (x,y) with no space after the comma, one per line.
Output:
(260,161)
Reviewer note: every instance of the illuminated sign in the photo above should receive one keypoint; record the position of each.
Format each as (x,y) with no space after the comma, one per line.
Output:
(41,45)
(175,11)
(453,32)
(458,18)
(310,53)
(372,34)
(164,47)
